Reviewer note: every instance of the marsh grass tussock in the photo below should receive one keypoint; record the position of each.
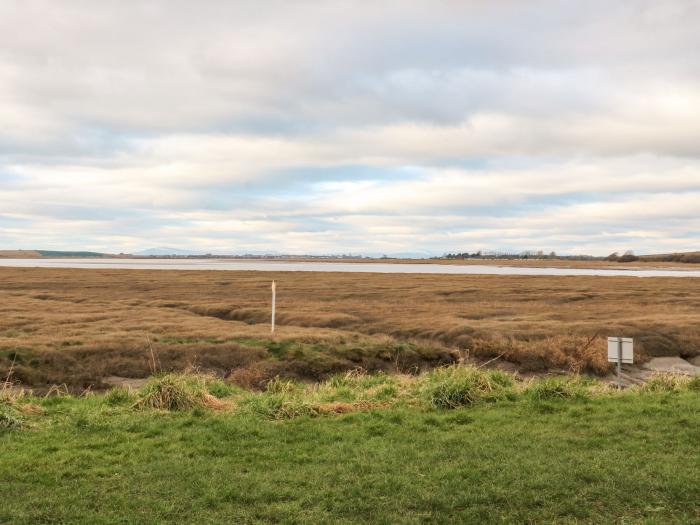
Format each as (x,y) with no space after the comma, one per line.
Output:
(10,415)
(119,395)
(10,419)
(352,391)
(560,387)
(694,384)
(668,382)
(459,386)
(177,392)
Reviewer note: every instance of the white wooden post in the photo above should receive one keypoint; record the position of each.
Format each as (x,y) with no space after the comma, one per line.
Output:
(274,298)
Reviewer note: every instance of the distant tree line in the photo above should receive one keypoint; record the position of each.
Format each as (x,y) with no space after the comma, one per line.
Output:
(629,256)
(690,257)
(626,257)
(507,255)
(465,255)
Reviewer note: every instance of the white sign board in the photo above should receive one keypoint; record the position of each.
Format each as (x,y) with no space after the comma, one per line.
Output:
(627,349)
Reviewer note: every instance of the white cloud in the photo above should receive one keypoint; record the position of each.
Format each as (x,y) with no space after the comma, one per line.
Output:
(338,126)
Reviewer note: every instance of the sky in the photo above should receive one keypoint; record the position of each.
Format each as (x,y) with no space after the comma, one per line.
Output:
(356,126)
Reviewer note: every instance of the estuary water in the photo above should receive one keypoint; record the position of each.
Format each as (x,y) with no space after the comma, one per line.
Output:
(300,266)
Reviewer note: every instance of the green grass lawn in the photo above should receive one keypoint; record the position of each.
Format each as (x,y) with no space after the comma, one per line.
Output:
(627,458)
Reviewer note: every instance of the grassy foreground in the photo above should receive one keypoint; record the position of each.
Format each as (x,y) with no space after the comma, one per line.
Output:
(381,451)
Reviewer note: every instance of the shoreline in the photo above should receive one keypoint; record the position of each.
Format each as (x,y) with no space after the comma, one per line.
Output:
(496,267)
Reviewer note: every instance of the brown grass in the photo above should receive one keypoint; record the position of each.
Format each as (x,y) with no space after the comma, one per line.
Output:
(19,254)
(78,326)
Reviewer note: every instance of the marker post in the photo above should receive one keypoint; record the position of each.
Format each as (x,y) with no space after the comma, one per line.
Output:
(619,362)
(274,300)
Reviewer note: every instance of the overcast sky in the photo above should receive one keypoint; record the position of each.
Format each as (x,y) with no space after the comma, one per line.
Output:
(350,126)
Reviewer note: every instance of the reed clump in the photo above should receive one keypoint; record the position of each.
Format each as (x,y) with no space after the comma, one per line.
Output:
(351,391)
(560,387)
(455,387)
(176,392)
(669,382)
(119,396)
(10,417)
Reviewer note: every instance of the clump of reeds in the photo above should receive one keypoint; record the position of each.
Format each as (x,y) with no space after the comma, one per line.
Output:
(694,384)
(284,387)
(670,382)
(352,391)
(10,419)
(221,389)
(457,386)
(282,399)
(559,387)
(277,406)
(119,395)
(9,396)
(358,386)
(176,392)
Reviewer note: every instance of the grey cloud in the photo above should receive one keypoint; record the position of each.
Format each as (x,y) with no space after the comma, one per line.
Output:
(234,120)
(167,65)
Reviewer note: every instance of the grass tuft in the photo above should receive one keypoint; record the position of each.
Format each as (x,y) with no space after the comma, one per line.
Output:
(176,392)
(220,389)
(559,387)
(694,384)
(454,387)
(279,406)
(119,396)
(283,387)
(10,419)
(352,391)
(669,382)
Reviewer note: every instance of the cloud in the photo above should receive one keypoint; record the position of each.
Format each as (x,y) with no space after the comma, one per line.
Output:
(350,126)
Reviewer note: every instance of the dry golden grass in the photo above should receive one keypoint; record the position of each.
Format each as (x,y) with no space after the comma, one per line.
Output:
(19,254)
(77,326)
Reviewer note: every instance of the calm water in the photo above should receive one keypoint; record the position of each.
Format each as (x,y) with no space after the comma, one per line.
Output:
(282,266)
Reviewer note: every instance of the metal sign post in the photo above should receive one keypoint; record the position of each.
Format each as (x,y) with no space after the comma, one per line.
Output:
(274,300)
(620,350)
